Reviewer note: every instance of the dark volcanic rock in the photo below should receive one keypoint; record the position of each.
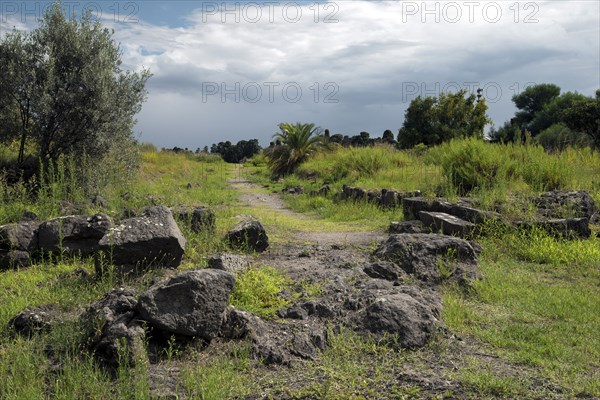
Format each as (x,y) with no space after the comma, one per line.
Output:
(399,319)
(13,259)
(21,236)
(112,323)
(33,320)
(232,263)
(151,239)
(74,234)
(448,224)
(413,226)
(472,214)
(199,219)
(384,270)
(249,235)
(563,204)
(570,228)
(191,303)
(421,255)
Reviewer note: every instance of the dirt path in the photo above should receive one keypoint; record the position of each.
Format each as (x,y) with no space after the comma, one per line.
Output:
(251,195)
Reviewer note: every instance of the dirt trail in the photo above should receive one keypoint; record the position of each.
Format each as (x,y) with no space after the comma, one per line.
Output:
(272,201)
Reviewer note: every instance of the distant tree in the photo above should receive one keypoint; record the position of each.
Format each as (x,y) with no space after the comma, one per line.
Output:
(432,120)
(531,101)
(337,138)
(553,112)
(388,137)
(65,83)
(363,139)
(558,137)
(506,133)
(296,142)
(235,153)
(583,115)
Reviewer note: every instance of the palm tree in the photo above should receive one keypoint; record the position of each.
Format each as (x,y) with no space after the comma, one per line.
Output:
(298,142)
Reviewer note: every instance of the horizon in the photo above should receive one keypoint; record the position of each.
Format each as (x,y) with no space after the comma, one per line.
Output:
(235,70)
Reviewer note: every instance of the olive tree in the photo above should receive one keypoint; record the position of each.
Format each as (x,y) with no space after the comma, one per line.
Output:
(64,84)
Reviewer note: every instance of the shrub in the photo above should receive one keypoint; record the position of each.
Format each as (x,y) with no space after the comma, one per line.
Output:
(470,163)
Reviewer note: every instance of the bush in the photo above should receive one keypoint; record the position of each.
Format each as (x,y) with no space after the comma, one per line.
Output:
(470,163)
(558,137)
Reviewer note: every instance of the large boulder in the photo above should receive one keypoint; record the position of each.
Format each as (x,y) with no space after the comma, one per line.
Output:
(431,257)
(411,206)
(74,234)
(399,319)
(199,219)
(191,303)
(249,235)
(152,239)
(116,334)
(21,236)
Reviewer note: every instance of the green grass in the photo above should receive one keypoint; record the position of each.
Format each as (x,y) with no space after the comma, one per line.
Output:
(538,305)
(537,308)
(491,173)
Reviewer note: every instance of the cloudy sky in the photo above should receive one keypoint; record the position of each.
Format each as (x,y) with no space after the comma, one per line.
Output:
(235,70)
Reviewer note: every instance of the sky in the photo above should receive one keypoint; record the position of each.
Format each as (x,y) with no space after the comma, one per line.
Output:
(235,70)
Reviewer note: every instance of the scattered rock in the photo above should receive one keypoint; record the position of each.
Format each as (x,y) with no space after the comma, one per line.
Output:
(571,228)
(68,208)
(13,259)
(199,219)
(411,206)
(421,255)
(303,347)
(400,320)
(324,190)
(473,215)
(562,204)
(153,239)
(413,226)
(249,235)
(111,324)
(294,190)
(33,320)
(232,263)
(21,236)
(28,216)
(74,234)
(384,270)
(389,198)
(99,201)
(239,324)
(447,224)
(295,313)
(191,303)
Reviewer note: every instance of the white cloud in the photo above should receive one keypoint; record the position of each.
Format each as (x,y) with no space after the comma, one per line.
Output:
(376,53)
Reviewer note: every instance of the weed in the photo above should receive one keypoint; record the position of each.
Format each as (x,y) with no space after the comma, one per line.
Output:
(258,290)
